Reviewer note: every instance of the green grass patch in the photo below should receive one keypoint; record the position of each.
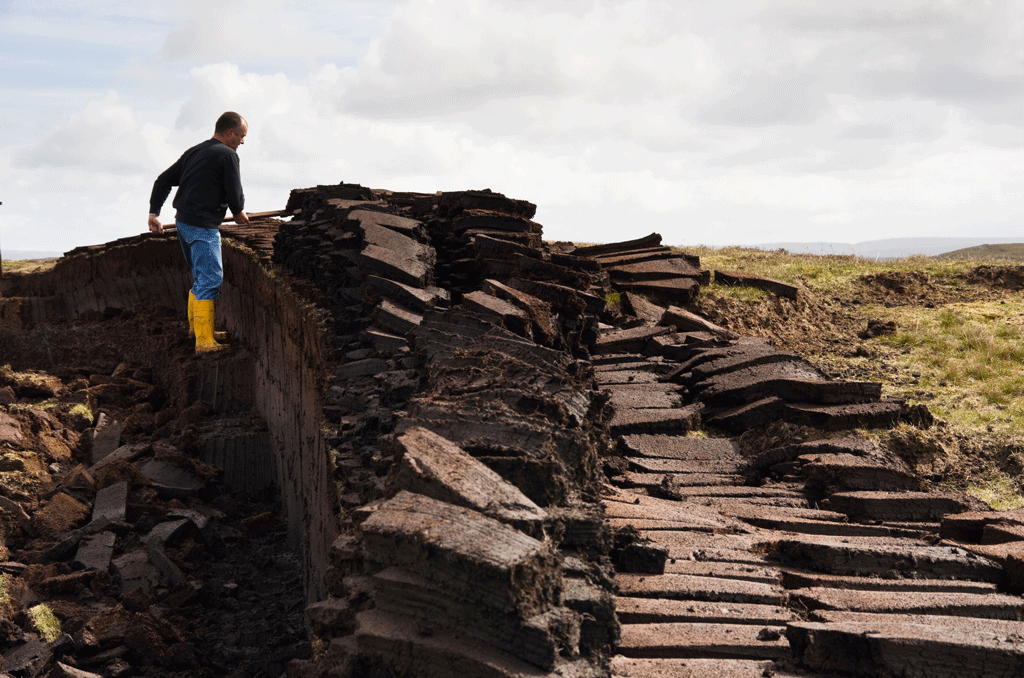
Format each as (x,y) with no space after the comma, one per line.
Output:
(27,265)
(969,356)
(823,272)
(999,491)
(45,621)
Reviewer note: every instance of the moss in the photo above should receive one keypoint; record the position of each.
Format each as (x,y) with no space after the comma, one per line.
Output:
(80,417)
(46,622)
(5,590)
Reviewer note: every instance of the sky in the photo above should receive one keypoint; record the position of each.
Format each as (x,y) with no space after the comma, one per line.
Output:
(726,122)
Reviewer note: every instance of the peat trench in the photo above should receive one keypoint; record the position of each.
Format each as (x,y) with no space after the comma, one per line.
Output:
(434,449)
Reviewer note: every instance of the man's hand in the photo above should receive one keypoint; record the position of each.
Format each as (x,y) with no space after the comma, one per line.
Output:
(241,218)
(154,224)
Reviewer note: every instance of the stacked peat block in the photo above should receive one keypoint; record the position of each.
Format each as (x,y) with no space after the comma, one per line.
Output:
(467,436)
(746,383)
(740,556)
(646,267)
(446,554)
(728,382)
(492,253)
(356,248)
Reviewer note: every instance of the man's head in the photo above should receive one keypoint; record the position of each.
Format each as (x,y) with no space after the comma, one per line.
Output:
(230,130)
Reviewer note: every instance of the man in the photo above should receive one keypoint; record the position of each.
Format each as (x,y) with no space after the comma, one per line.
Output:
(209,182)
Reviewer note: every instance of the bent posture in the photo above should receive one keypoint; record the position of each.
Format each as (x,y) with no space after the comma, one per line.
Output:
(209,183)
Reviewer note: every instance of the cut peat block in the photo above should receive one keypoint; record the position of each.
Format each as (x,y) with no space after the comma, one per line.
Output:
(909,650)
(792,382)
(702,641)
(747,416)
(986,605)
(604,249)
(678,482)
(708,589)
(881,414)
(970,526)
(738,279)
(800,579)
(887,559)
(655,420)
(661,611)
(629,667)
(411,266)
(640,374)
(641,396)
(901,507)
(680,447)
(649,465)
(631,340)
(660,269)
(477,557)
(756,573)
(643,309)
(849,472)
(400,644)
(685,321)
(431,465)
(673,291)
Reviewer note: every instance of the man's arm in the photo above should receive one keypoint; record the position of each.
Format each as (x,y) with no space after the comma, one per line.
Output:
(233,189)
(169,178)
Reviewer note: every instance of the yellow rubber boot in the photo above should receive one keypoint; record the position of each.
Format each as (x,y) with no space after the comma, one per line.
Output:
(203,317)
(217,336)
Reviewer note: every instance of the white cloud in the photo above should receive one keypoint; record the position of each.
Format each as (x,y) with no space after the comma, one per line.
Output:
(256,31)
(106,136)
(736,122)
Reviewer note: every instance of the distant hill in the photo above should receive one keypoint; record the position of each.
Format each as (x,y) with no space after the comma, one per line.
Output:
(1010,251)
(19,255)
(892,248)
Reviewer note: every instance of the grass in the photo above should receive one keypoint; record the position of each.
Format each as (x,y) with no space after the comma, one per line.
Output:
(82,413)
(827,272)
(998,490)
(27,265)
(968,354)
(46,622)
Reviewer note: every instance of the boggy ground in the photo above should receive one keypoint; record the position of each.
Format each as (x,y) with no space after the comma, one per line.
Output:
(873,324)
(237,608)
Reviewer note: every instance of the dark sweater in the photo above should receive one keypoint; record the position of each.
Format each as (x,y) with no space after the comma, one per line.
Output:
(208,182)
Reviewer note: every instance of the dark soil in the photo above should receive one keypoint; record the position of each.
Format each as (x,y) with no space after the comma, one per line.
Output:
(239,610)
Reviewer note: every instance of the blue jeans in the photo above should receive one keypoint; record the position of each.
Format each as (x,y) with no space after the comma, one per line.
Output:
(201,247)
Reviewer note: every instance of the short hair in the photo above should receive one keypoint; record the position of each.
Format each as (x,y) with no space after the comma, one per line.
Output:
(228,121)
